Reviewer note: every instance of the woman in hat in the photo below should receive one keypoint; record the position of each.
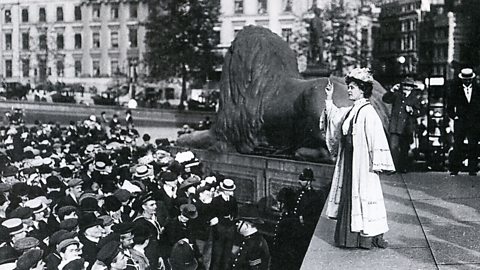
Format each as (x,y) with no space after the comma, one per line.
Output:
(356,136)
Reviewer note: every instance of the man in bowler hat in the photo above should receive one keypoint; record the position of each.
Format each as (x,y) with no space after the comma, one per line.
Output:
(463,106)
(405,109)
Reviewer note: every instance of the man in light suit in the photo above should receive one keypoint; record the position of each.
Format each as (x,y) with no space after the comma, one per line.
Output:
(463,106)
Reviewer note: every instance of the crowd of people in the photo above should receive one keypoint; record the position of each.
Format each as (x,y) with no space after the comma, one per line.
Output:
(97,196)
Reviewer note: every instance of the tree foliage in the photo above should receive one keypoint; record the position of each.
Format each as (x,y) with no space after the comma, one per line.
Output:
(181,39)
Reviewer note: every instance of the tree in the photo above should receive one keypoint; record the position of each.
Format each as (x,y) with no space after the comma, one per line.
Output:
(181,40)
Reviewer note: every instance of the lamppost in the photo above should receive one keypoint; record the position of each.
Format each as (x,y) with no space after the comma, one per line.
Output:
(132,74)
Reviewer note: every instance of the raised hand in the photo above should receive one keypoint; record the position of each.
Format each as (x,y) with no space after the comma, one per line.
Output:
(329,89)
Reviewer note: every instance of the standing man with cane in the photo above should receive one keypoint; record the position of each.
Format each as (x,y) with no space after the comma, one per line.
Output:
(463,106)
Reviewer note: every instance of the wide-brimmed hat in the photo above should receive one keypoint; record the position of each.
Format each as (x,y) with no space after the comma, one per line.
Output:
(466,74)
(228,185)
(306,175)
(189,211)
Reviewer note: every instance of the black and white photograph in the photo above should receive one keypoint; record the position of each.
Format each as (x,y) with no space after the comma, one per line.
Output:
(239,134)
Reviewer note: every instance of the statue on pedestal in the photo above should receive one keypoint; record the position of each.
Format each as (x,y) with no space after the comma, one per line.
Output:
(316,37)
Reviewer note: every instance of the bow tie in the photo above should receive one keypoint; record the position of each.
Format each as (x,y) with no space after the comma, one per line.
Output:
(467,87)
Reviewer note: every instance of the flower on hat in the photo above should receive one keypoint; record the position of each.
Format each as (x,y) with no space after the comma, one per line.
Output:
(362,74)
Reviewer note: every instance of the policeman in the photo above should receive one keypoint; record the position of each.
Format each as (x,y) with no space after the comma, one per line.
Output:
(308,208)
(285,254)
(253,252)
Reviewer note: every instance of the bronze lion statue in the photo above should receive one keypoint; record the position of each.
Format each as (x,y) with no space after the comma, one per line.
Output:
(266,107)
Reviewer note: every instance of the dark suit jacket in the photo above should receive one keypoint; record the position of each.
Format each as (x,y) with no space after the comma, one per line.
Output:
(460,109)
(402,122)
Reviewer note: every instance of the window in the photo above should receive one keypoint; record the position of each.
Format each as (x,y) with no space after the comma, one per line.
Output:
(78,68)
(114,39)
(25,15)
(8,68)
(238,6)
(25,41)
(133,10)
(78,13)
(8,41)
(96,12)
(286,34)
(114,68)
(132,37)
(42,42)
(60,67)
(262,6)
(96,68)
(8,16)
(96,40)
(78,41)
(42,67)
(60,43)
(114,12)
(169,93)
(59,14)
(25,67)
(42,15)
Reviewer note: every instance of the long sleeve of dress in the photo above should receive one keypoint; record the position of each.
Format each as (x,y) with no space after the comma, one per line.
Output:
(379,151)
(334,117)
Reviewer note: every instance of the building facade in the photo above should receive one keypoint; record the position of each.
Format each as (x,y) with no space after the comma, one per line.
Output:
(91,40)
(443,37)
(70,39)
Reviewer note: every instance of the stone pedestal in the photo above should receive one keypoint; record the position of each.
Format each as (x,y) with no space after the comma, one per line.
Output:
(316,71)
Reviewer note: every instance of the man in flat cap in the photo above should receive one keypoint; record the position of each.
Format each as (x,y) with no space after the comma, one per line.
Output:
(405,110)
(179,227)
(74,192)
(463,106)
(31,260)
(123,231)
(253,252)
(69,250)
(111,257)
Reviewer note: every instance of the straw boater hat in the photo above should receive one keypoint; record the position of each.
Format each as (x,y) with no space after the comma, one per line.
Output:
(466,74)
(227,185)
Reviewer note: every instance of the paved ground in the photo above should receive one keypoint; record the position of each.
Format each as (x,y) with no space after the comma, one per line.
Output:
(434,222)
